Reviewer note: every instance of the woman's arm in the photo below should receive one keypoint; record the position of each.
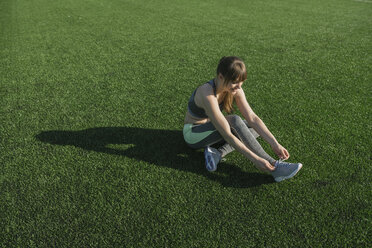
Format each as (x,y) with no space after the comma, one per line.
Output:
(219,121)
(257,124)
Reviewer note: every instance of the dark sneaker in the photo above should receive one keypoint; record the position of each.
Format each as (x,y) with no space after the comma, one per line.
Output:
(285,170)
(212,158)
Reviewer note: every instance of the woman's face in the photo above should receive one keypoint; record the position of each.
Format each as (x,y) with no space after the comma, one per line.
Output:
(235,86)
(232,86)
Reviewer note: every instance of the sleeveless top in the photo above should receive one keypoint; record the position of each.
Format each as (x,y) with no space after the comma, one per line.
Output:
(197,111)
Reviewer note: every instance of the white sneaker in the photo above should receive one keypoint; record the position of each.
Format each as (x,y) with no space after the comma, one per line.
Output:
(212,158)
(285,170)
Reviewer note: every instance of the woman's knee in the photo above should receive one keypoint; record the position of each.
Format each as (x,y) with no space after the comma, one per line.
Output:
(235,121)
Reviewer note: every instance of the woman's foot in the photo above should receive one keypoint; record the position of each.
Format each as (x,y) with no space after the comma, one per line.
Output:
(285,170)
(212,158)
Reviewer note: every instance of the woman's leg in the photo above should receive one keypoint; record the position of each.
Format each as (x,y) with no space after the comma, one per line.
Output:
(201,136)
(247,135)
(225,148)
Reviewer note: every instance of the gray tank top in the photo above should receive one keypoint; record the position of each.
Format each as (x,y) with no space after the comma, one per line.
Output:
(194,109)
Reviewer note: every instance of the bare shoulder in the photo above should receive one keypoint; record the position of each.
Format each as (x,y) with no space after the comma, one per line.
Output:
(240,97)
(204,92)
(206,89)
(240,94)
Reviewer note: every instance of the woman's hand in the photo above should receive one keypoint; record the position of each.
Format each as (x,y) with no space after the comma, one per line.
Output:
(264,165)
(280,151)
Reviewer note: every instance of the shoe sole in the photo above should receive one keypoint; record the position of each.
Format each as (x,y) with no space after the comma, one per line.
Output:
(209,161)
(279,179)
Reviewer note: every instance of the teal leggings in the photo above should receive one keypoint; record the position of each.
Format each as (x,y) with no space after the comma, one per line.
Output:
(202,135)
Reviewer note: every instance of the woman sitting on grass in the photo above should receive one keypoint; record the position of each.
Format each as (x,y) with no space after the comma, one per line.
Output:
(205,124)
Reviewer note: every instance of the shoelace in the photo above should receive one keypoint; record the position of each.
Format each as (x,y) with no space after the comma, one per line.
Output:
(282,160)
(283,164)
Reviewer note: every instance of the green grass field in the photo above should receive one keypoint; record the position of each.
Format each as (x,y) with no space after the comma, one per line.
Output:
(93,95)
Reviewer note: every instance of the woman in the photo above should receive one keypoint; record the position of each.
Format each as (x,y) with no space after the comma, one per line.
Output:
(205,124)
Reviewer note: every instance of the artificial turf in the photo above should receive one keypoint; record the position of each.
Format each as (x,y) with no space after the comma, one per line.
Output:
(92,101)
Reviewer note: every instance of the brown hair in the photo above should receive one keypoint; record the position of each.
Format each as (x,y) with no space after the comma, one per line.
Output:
(232,69)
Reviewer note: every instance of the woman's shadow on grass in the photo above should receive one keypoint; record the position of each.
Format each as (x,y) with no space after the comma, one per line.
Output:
(160,147)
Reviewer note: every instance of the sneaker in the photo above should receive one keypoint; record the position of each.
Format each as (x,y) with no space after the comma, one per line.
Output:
(285,170)
(212,158)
